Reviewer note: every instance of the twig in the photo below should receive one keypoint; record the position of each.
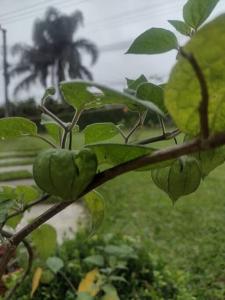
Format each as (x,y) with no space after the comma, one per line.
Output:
(136,126)
(28,206)
(45,140)
(53,116)
(163,137)
(70,140)
(162,125)
(75,120)
(29,265)
(68,281)
(70,127)
(203,108)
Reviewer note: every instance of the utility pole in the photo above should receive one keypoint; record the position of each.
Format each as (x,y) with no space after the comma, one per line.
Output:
(5,71)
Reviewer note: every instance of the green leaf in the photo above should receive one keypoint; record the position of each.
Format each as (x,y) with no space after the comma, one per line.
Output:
(210,160)
(151,92)
(7,193)
(95,204)
(154,41)
(99,132)
(16,127)
(84,296)
(181,27)
(5,207)
(26,193)
(183,177)
(122,251)
(133,84)
(53,128)
(44,240)
(87,94)
(114,154)
(195,12)
(55,264)
(13,222)
(7,201)
(95,260)
(21,194)
(183,95)
(110,293)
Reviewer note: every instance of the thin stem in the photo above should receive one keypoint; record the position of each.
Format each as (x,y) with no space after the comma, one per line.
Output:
(28,206)
(68,281)
(162,125)
(122,133)
(136,126)
(203,108)
(53,116)
(45,140)
(64,138)
(163,137)
(70,140)
(75,120)
(70,127)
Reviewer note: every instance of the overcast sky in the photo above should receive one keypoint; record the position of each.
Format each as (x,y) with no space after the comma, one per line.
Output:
(111,24)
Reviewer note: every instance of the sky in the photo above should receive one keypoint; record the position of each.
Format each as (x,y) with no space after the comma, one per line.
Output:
(111,24)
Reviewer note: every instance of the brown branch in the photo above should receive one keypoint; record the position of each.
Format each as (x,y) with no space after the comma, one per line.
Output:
(203,108)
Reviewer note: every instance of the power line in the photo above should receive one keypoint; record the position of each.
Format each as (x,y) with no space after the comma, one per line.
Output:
(26,16)
(131,19)
(159,5)
(18,18)
(23,9)
(31,9)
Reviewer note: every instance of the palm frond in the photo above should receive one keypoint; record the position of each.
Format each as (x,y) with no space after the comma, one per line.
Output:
(25,83)
(85,73)
(89,47)
(19,69)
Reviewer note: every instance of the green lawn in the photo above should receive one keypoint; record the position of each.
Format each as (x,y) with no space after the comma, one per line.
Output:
(188,236)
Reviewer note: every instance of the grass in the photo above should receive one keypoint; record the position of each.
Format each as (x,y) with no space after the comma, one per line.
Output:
(15,175)
(188,236)
(16,162)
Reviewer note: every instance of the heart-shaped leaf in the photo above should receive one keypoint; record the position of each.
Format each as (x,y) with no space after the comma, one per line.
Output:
(99,132)
(55,264)
(95,204)
(154,41)
(44,240)
(183,94)
(183,177)
(196,12)
(16,127)
(181,27)
(87,94)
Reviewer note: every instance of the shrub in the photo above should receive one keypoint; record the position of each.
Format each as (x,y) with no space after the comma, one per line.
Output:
(121,263)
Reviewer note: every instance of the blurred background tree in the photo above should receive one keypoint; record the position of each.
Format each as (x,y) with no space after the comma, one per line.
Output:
(54,53)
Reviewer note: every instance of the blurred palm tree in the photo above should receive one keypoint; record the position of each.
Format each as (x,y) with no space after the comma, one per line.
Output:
(54,52)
